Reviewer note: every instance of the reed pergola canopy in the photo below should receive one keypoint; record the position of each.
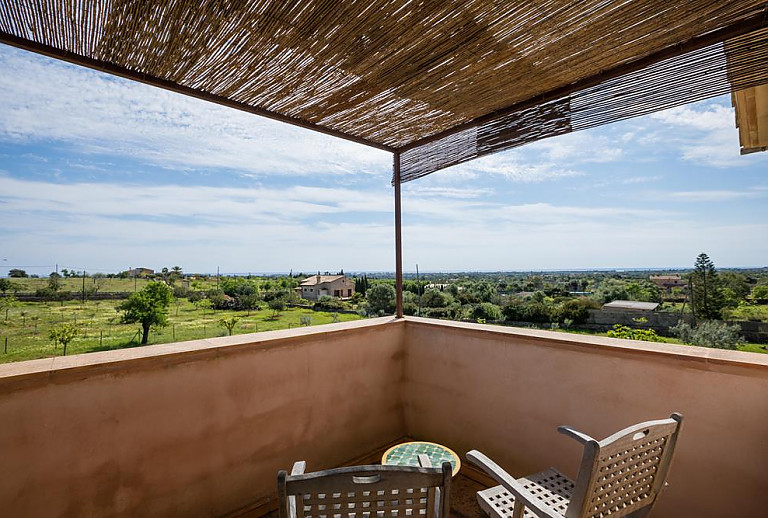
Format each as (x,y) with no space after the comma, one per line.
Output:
(438,82)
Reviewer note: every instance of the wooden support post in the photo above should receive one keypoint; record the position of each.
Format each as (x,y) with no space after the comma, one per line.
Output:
(398,239)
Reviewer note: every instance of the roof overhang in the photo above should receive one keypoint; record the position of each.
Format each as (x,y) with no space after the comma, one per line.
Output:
(438,82)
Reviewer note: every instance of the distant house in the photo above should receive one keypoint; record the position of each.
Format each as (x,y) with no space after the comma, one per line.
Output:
(139,272)
(312,288)
(667,282)
(631,305)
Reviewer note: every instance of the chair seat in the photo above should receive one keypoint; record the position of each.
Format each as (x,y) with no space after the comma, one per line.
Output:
(550,486)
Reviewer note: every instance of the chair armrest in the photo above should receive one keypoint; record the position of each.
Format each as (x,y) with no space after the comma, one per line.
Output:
(521,495)
(574,434)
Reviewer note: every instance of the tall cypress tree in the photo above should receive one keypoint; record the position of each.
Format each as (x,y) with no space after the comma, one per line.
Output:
(707,292)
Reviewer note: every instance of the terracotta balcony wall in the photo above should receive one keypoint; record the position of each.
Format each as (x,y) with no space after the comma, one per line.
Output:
(201,428)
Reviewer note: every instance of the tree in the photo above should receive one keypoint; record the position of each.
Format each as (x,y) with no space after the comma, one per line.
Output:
(276,305)
(735,288)
(62,335)
(381,298)
(54,282)
(5,285)
(8,302)
(610,290)
(487,311)
(149,306)
(436,299)
(229,323)
(760,292)
(706,289)
(203,304)
(250,302)
(16,273)
(361,284)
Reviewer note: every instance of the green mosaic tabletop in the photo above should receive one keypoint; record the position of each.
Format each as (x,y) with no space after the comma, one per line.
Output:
(407,454)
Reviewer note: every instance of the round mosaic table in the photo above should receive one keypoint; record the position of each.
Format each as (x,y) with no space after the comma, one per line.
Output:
(407,454)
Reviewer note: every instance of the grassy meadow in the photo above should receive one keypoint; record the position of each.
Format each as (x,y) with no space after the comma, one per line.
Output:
(100,327)
(101,284)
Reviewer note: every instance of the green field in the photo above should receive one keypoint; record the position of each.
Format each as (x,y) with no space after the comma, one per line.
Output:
(101,284)
(100,327)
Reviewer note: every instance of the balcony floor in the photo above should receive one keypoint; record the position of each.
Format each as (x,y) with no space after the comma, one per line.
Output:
(464,498)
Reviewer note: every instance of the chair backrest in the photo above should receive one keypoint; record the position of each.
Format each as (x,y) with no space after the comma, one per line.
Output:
(367,492)
(624,472)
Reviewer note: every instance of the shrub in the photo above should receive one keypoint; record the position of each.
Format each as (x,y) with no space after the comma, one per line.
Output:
(575,310)
(709,333)
(628,333)
(514,310)
(180,292)
(381,298)
(410,308)
(760,293)
(328,303)
(222,301)
(537,312)
(238,286)
(445,313)
(194,296)
(487,311)
(435,299)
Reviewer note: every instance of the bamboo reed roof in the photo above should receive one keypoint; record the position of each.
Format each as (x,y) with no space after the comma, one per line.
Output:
(439,81)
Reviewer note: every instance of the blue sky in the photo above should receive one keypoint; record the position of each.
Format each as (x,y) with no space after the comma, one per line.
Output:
(103,174)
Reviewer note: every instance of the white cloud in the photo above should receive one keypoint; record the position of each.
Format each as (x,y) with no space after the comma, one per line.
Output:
(580,147)
(633,180)
(113,226)
(702,117)
(99,114)
(511,166)
(705,134)
(445,192)
(715,196)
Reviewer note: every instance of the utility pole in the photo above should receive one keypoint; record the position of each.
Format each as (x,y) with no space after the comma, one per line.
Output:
(418,287)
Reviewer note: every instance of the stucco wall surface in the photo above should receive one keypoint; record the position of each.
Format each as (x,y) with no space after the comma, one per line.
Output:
(201,428)
(504,391)
(195,428)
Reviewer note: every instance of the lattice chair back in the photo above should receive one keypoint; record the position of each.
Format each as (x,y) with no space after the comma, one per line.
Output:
(625,472)
(366,492)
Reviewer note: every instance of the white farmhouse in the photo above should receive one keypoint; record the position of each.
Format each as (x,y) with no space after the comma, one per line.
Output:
(312,288)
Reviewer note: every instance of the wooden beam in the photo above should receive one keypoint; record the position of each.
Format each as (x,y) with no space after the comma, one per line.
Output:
(116,70)
(740,28)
